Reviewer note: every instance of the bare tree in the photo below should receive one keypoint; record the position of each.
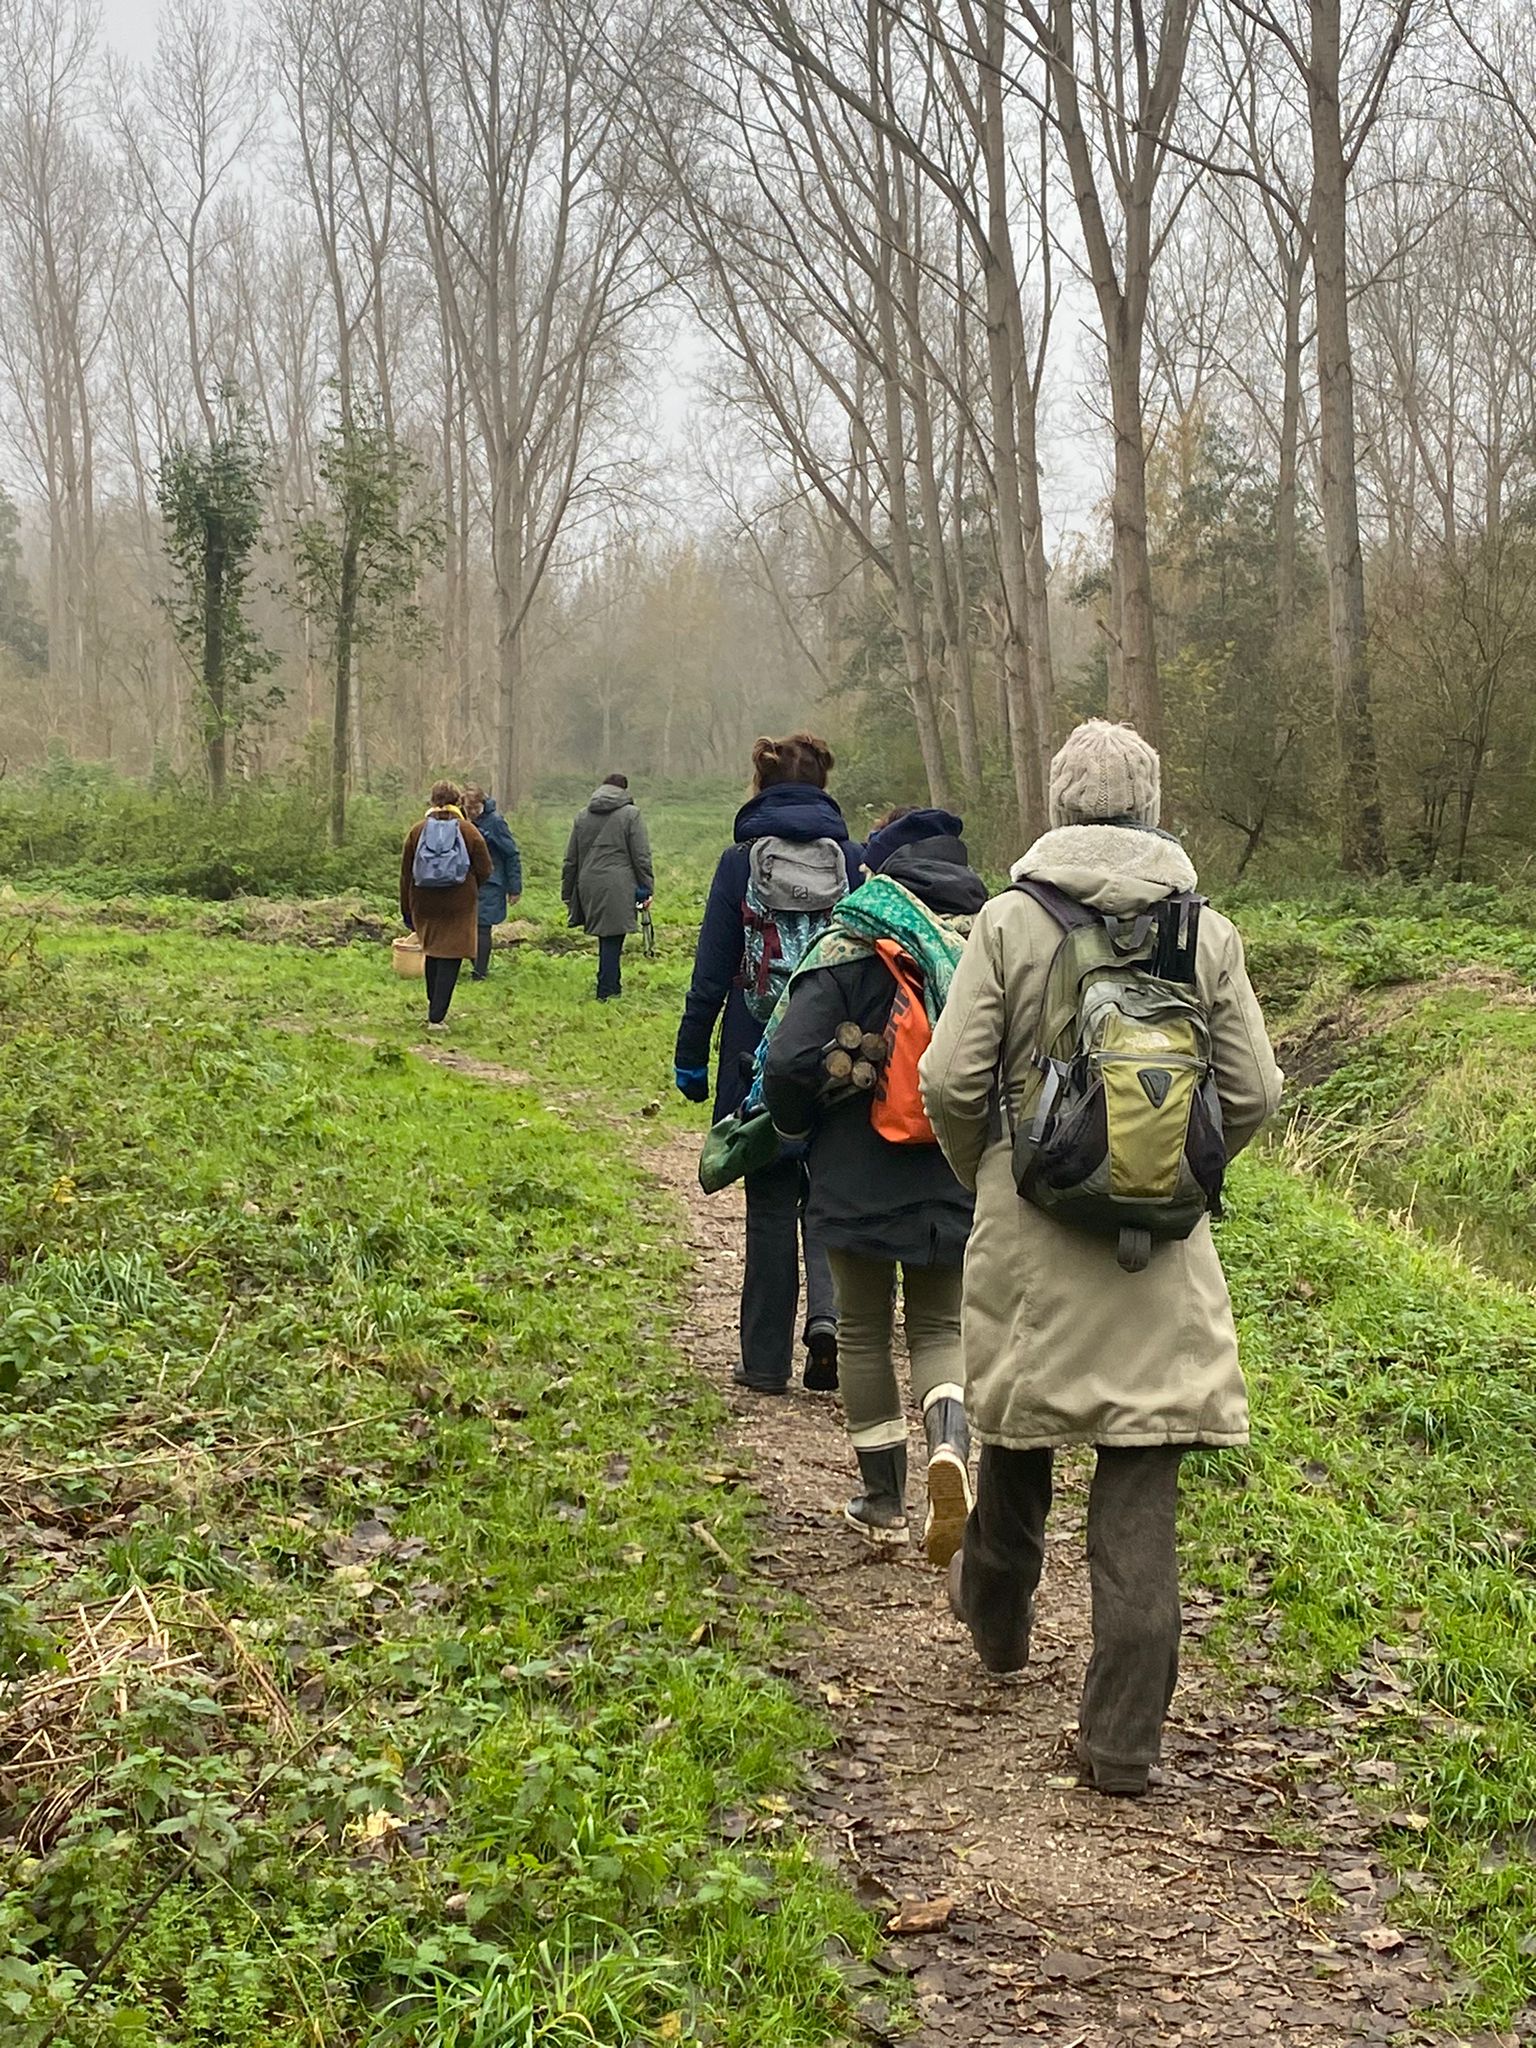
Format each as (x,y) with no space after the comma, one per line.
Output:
(507,122)
(65,254)
(1116,79)
(183,126)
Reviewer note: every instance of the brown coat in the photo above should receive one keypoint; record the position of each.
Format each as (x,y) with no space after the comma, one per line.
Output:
(444,919)
(1063,1346)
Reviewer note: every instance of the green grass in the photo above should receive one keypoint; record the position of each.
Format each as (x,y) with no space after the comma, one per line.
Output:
(240,1214)
(1386,1501)
(1411,1032)
(362,1373)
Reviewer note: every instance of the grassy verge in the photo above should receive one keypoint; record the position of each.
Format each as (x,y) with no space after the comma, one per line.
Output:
(361,1679)
(1378,1536)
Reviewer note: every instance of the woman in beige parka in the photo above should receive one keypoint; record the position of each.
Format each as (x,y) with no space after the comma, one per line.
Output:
(1062,1345)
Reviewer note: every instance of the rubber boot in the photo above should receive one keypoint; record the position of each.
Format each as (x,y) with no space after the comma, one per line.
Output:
(950,1498)
(879,1513)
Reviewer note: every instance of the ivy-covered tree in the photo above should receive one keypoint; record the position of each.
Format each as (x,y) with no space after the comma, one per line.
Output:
(211,502)
(358,555)
(23,636)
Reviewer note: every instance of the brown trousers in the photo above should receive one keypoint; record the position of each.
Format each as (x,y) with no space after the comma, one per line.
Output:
(1133,1570)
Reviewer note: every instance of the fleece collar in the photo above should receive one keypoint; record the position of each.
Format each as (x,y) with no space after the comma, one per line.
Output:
(1111,868)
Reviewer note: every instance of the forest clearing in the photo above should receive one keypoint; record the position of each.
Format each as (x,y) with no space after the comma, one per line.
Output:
(1099,441)
(408,1638)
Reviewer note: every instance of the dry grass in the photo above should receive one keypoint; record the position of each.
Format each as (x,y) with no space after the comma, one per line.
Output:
(55,1740)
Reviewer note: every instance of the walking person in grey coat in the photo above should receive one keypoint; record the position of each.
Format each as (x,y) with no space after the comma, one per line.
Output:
(1063,1344)
(607,879)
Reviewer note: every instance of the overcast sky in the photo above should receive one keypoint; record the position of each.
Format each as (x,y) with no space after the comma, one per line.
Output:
(131,25)
(1071,449)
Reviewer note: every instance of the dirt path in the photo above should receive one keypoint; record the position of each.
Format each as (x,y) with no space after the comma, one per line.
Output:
(1077,1920)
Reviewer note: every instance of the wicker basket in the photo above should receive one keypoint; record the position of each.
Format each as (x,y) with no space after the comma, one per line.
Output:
(410,962)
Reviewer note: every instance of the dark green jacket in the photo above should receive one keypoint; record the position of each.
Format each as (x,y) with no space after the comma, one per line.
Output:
(607,864)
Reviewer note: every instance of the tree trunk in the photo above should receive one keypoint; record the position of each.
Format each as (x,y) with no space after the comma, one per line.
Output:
(1036,589)
(1290,436)
(909,618)
(215,710)
(1005,369)
(464,632)
(947,656)
(1138,698)
(341,736)
(1361,846)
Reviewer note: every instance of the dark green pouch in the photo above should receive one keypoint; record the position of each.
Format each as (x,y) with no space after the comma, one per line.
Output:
(736,1146)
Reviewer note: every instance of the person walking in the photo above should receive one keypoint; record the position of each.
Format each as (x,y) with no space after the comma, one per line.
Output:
(607,879)
(883,1199)
(1073,1338)
(442,865)
(789,813)
(503,887)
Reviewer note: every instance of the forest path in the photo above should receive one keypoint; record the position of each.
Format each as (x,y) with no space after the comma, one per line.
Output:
(1185,1917)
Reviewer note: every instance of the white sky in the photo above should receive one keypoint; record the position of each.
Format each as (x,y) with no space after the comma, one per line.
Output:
(130,26)
(1072,448)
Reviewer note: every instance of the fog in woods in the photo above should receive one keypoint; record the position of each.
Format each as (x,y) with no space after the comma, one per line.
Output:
(538,386)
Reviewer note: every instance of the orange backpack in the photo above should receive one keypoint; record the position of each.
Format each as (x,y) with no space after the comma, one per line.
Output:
(897,1112)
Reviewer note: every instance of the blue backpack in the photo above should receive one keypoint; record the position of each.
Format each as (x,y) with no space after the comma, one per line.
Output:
(442,858)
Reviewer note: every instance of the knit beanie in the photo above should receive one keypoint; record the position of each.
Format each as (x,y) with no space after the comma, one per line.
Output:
(909,830)
(1106,774)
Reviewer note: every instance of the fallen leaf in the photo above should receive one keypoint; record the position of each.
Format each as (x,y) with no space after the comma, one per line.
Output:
(376,1833)
(921,1916)
(1063,1967)
(1382,1940)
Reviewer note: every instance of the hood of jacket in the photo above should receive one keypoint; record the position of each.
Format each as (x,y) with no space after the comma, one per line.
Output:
(936,872)
(488,810)
(791,810)
(917,825)
(1118,870)
(608,797)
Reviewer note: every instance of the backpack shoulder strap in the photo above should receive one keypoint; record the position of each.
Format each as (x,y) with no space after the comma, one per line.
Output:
(1068,912)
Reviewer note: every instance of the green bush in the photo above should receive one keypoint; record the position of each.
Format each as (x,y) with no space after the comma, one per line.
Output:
(91,833)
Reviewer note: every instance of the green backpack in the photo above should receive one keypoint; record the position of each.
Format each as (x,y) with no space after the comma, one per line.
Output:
(1125,1139)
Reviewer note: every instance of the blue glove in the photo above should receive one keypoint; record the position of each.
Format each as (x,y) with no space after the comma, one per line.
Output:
(692,1083)
(405,919)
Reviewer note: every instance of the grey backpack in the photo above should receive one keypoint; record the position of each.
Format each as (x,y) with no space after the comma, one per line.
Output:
(793,887)
(442,858)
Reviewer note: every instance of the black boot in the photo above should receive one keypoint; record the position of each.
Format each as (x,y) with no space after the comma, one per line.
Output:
(821,1359)
(879,1513)
(950,1498)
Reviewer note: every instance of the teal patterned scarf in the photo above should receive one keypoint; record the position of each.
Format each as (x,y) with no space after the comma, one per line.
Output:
(881,909)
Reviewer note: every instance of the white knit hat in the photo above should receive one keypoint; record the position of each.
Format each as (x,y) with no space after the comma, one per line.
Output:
(1106,774)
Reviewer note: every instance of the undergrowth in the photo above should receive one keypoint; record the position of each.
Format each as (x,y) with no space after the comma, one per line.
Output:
(361,1678)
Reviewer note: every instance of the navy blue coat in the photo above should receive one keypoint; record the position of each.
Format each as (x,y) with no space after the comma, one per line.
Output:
(506,877)
(786,810)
